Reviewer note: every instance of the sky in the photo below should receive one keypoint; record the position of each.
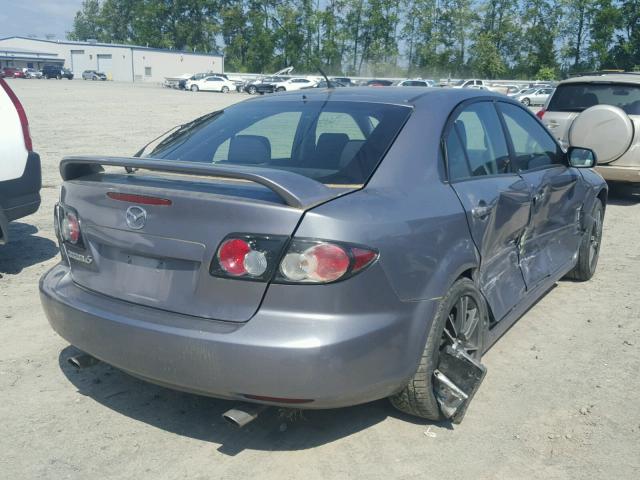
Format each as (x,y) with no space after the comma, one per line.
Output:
(37,17)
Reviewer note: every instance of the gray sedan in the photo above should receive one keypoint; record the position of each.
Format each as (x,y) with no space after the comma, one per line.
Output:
(93,75)
(323,249)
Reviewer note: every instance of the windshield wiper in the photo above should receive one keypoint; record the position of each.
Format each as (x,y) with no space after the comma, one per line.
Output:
(181,130)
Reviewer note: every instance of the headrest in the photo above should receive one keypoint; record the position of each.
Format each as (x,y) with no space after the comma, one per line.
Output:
(249,149)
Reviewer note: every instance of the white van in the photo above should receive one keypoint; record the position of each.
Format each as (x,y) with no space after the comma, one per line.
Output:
(20,173)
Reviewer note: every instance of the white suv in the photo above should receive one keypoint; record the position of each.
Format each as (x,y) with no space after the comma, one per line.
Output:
(600,112)
(20,174)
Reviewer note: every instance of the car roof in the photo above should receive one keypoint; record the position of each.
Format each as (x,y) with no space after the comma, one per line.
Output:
(605,77)
(409,96)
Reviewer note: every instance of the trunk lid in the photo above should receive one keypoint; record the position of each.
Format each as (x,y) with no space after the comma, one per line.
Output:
(165,263)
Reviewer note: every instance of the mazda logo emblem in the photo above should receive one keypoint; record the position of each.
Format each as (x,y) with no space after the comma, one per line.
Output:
(136,217)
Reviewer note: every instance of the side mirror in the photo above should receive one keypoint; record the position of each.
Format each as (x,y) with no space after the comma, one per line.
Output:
(581,157)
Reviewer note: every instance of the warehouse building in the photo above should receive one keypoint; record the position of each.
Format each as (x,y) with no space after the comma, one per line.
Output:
(23,58)
(125,63)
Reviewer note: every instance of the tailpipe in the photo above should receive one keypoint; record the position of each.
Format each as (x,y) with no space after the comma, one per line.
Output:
(243,414)
(83,360)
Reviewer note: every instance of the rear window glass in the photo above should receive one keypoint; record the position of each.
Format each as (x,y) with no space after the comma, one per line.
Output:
(576,97)
(331,142)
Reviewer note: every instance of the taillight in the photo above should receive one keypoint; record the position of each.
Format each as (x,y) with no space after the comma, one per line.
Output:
(260,258)
(70,228)
(322,262)
(249,257)
(24,123)
(540,113)
(67,226)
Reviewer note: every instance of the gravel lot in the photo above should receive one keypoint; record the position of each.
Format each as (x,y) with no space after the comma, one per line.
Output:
(560,400)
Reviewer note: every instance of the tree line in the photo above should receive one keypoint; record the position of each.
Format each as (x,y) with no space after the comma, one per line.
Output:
(541,39)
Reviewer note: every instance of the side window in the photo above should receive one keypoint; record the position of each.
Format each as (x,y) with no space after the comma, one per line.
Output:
(533,146)
(482,145)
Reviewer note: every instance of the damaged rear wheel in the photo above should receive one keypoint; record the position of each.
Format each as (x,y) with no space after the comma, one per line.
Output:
(461,321)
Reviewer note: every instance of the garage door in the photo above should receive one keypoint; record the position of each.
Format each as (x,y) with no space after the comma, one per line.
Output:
(105,65)
(78,62)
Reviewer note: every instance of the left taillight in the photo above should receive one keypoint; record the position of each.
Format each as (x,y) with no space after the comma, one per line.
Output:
(540,113)
(67,226)
(24,123)
(262,258)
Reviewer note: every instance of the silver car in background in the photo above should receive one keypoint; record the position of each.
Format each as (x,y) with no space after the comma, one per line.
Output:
(534,96)
(602,112)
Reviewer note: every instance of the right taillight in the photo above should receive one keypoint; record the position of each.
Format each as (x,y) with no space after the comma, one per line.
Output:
(309,261)
(24,123)
(261,258)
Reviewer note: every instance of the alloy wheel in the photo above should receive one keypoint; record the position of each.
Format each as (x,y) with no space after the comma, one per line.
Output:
(594,239)
(464,326)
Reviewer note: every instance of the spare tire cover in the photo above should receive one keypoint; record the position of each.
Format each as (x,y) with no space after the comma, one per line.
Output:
(605,129)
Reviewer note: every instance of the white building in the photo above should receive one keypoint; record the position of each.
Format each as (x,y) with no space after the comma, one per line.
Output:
(127,63)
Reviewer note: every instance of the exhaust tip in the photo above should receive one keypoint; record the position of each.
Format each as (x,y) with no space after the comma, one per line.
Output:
(242,415)
(83,360)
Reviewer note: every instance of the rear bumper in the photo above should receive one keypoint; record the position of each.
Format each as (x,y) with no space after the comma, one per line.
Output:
(333,360)
(619,174)
(21,196)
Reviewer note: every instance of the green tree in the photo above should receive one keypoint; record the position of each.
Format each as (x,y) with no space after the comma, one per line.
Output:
(86,24)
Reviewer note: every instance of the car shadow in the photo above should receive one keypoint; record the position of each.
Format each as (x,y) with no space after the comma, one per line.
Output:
(200,417)
(623,194)
(24,249)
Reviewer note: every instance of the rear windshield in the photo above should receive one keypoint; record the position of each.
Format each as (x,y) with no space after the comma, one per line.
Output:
(575,97)
(331,142)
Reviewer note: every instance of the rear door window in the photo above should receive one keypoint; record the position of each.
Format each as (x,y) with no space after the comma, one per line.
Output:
(576,97)
(480,148)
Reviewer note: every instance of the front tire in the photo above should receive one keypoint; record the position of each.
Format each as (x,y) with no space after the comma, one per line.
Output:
(526,102)
(225,89)
(589,250)
(251,90)
(461,315)
(280,89)
(194,88)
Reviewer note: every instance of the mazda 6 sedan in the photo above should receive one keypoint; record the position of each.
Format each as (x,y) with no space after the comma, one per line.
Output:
(321,248)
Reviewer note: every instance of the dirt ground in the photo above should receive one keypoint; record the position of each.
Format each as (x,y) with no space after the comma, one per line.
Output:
(560,400)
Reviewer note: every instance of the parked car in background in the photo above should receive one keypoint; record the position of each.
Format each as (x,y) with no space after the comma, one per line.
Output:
(32,73)
(379,83)
(602,112)
(518,91)
(416,83)
(53,71)
(344,81)
(93,75)
(323,84)
(249,86)
(534,96)
(20,171)
(212,83)
(182,84)
(10,72)
(472,83)
(292,84)
(371,235)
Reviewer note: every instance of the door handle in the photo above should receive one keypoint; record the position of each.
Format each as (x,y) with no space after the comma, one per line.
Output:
(481,211)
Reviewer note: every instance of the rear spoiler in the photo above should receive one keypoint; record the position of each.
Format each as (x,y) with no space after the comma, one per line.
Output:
(296,190)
